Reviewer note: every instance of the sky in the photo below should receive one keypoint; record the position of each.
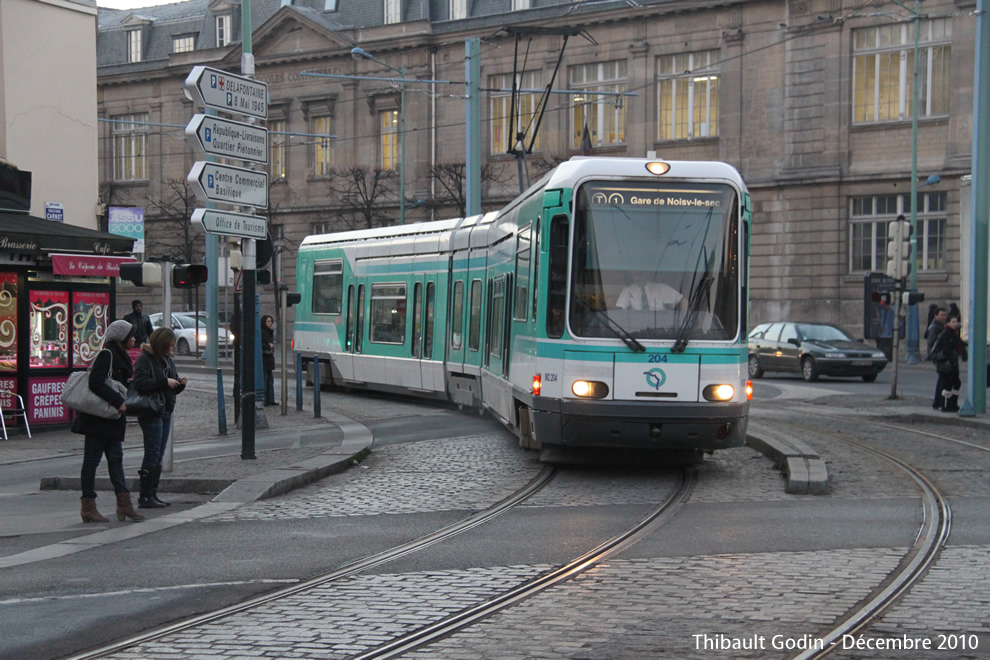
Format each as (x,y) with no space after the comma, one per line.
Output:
(131,4)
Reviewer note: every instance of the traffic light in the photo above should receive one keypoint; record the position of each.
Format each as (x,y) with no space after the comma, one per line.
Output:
(899,248)
(292,298)
(912,298)
(263,276)
(188,276)
(142,274)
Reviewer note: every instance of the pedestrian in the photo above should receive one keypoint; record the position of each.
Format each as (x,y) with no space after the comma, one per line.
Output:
(140,321)
(155,375)
(105,437)
(948,350)
(885,340)
(268,358)
(931,334)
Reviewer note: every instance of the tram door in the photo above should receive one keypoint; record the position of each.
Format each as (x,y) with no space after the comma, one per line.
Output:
(424,300)
(497,342)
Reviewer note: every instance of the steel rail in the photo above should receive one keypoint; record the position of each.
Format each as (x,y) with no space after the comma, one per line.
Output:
(534,486)
(932,536)
(428,634)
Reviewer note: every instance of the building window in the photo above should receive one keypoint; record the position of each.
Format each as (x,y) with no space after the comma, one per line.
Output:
(388,126)
(393,11)
(223,30)
(318,228)
(134,45)
(277,140)
(458,9)
(388,313)
(687,95)
(501,109)
(321,146)
(605,116)
(518,5)
(883,71)
(130,147)
(183,43)
(870,217)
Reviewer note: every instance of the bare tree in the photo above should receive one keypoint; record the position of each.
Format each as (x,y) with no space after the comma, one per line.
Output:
(451,184)
(362,196)
(109,194)
(169,230)
(544,164)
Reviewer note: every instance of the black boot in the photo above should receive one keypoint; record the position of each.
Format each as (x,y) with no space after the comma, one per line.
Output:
(157,476)
(951,404)
(145,500)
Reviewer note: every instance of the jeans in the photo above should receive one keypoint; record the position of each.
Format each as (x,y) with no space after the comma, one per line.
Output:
(93,453)
(269,388)
(155,431)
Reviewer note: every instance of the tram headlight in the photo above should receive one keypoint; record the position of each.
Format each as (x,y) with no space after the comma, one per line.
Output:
(589,389)
(657,167)
(723,392)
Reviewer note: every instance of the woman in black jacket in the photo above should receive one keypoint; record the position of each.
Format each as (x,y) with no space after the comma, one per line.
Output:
(155,376)
(268,358)
(106,436)
(948,349)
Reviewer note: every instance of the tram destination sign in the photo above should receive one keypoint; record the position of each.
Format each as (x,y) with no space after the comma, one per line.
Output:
(227,223)
(213,88)
(213,136)
(213,182)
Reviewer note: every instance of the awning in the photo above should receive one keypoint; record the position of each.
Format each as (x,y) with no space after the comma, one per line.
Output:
(28,234)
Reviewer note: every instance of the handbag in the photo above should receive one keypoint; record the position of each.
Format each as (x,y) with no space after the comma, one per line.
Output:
(77,395)
(144,405)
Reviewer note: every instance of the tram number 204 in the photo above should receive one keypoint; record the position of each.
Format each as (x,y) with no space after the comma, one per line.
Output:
(652,359)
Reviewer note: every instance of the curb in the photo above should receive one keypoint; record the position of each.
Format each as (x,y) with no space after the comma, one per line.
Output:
(803,468)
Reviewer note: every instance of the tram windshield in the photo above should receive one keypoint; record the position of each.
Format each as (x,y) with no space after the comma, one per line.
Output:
(660,260)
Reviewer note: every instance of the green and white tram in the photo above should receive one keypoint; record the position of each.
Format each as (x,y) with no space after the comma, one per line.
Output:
(604,307)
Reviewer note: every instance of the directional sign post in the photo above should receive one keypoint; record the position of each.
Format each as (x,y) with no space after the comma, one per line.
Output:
(212,136)
(231,224)
(212,88)
(213,182)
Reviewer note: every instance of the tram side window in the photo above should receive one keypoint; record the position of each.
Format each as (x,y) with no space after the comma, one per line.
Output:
(498,305)
(557,298)
(417,337)
(388,314)
(431,295)
(457,316)
(474,326)
(359,338)
(521,300)
(328,286)
(350,320)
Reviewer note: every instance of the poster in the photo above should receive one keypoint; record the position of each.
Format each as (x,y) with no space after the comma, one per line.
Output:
(44,401)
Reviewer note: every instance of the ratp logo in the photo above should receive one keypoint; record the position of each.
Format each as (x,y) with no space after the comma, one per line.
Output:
(655,378)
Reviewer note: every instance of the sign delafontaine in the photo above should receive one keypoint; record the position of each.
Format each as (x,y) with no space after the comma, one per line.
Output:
(219,90)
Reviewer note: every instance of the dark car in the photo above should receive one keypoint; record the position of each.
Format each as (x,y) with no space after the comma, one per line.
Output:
(812,350)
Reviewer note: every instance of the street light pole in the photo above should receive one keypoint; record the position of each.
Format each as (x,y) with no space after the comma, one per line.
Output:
(359,54)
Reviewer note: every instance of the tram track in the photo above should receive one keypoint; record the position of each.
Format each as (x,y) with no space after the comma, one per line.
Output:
(535,485)
(931,538)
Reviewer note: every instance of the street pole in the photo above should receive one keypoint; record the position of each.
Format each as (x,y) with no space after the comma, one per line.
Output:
(249,266)
(979,238)
(913,354)
(472,69)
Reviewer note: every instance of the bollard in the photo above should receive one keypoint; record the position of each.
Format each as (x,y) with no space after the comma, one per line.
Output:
(316,386)
(221,405)
(299,382)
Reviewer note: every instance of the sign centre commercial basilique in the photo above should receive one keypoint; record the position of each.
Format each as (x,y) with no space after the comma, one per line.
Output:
(213,136)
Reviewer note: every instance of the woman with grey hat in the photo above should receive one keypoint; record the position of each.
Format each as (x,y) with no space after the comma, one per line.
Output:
(106,436)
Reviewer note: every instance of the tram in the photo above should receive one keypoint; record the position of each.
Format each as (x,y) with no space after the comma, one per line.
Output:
(525,312)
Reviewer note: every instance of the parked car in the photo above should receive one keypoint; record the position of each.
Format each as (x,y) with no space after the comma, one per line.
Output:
(812,350)
(184,326)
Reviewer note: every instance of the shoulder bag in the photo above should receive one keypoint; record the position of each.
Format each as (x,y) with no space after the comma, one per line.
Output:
(139,404)
(77,395)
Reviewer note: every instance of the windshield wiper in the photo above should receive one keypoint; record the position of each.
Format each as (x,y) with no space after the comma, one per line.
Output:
(616,329)
(697,294)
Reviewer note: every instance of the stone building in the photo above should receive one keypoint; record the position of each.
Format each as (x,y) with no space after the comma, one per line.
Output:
(810,99)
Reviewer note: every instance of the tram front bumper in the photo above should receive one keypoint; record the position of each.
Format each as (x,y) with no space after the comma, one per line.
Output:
(642,425)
